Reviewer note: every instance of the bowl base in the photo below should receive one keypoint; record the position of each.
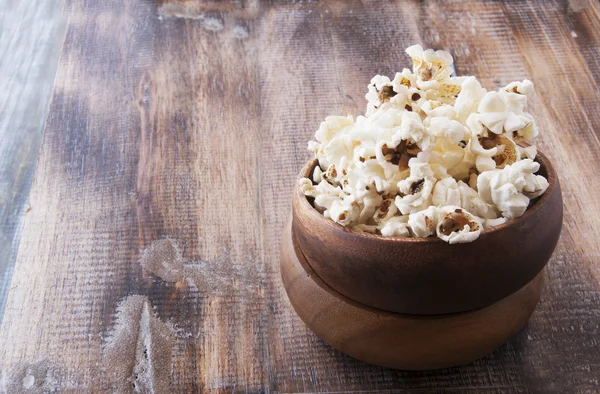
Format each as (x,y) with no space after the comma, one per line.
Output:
(402,341)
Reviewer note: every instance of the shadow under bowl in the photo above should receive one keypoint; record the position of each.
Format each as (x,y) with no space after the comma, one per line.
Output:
(427,276)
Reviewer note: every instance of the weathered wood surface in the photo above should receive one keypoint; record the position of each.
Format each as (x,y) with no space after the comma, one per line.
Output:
(31,34)
(180,133)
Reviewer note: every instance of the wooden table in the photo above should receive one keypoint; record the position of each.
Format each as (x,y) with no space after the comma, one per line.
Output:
(149,255)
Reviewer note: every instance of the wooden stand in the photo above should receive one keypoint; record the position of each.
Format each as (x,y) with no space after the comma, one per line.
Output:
(402,341)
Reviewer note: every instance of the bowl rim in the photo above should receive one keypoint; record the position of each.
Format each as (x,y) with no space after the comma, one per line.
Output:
(541,158)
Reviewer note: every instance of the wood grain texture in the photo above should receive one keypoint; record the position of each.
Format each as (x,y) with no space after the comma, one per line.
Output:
(192,127)
(31,35)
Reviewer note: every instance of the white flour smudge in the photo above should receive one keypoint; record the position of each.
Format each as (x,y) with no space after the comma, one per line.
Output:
(212,24)
(178,11)
(138,352)
(34,378)
(240,32)
(162,258)
(182,12)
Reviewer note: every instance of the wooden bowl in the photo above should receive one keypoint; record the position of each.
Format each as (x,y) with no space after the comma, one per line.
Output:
(427,275)
(396,340)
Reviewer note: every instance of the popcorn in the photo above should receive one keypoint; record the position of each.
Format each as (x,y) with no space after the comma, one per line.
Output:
(331,127)
(502,112)
(412,129)
(324,193)
(344,211)
(456,225)
(306,186)
(446,153)
(468,99)
(435,109)
(508,153)
(317,175)
(380,91)
(430,65)
(529,152)
(371,202)
(494,151)
(472,202)
(448,192)
(396,226)
(423,223)
(365,228)
(511,188)
(433,155)
(445,127)
(489,223)
(465,168)
(404,81)
(527,133)
(387,210)
(415,194)
(525,87)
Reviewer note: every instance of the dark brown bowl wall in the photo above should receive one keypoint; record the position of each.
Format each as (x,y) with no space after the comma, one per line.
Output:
(429,276)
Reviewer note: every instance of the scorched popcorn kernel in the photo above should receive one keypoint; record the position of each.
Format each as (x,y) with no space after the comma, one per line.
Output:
(433,155)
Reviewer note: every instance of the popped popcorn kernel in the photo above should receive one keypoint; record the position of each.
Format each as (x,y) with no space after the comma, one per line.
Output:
(434,155)
(423,223)
(456,225)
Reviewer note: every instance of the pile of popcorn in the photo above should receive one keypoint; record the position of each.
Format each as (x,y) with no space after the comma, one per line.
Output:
(433,155)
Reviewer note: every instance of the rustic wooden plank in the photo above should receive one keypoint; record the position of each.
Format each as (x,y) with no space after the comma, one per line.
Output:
(174,136)
(484,46)
(31,35)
